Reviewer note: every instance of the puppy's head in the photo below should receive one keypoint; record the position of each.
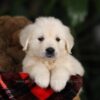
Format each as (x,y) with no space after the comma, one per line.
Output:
(46,38)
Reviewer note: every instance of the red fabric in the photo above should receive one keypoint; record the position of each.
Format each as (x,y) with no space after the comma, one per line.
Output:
(23,75)
(40,93)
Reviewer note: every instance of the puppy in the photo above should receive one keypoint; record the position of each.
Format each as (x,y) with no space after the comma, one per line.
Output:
(48,59)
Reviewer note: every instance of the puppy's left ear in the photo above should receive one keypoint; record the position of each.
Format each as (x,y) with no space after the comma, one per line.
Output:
(69,40)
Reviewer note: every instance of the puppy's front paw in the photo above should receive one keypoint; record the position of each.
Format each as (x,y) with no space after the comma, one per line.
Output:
(59,78)
(41,75)
(42,80)
(58,84)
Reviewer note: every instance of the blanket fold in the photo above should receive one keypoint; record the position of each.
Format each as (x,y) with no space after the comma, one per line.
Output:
(19,86)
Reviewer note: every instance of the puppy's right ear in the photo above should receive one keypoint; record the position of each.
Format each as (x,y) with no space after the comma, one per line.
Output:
(69,41)
(25,36)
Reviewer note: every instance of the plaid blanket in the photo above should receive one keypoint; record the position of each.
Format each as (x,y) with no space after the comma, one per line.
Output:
(19,86)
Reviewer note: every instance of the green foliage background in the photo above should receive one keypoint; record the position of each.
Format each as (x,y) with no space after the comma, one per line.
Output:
(82,16)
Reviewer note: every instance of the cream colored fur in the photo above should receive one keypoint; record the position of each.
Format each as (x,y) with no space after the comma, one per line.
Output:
(57,70)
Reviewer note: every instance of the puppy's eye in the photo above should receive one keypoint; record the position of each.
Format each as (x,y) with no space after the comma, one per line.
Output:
(57,39)
(41,39)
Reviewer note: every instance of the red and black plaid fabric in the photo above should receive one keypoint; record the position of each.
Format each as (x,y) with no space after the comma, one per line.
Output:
(19,86)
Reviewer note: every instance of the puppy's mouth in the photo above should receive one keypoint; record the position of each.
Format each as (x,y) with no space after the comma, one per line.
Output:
(50,55)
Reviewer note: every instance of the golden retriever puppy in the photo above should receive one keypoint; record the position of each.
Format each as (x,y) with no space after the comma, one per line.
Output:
(48,59)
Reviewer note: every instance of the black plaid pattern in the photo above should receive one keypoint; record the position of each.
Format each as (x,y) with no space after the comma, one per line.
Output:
(20,89)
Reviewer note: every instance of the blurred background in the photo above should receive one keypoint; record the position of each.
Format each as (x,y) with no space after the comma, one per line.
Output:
(83,17)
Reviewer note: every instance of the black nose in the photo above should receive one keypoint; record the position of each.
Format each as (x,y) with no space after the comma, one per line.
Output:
(50,51)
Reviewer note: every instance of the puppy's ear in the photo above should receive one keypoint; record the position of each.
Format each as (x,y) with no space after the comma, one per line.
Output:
(25,36)
(69,40)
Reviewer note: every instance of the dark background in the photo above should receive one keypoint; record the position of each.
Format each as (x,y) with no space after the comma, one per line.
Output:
(83,17)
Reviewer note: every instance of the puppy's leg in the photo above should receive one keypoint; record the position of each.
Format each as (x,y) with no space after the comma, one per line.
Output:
(59,78)
(41,75)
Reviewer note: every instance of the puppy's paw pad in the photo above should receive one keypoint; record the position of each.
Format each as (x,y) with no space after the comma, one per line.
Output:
(58,85)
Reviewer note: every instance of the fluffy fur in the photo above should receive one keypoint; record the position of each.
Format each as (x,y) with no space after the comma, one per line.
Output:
(45,70)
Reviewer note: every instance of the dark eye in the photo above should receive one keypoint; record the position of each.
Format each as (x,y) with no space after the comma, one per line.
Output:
(41,39)
(57,39)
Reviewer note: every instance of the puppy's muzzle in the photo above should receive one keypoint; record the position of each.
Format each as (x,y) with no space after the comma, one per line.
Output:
(50,52)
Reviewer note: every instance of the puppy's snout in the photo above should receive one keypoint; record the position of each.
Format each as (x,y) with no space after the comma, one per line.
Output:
(50,52)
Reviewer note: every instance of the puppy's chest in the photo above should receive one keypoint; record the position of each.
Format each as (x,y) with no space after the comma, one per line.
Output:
(50,64)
